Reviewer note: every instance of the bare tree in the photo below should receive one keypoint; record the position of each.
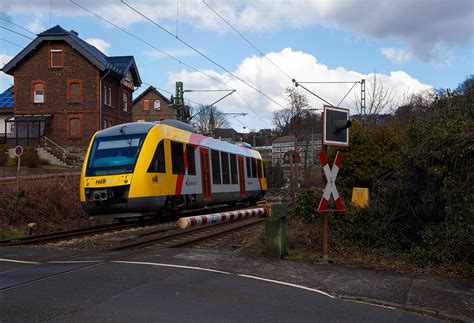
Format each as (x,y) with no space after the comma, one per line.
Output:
(377,97)
(205,119)
(288,121)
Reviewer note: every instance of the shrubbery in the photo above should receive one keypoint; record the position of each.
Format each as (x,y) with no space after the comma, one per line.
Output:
(30,158)
(3,155)
(419,168)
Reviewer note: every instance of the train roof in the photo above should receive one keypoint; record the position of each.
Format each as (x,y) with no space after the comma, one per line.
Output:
(172,131)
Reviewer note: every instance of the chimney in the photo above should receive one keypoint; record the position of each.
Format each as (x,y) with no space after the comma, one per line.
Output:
(74,33)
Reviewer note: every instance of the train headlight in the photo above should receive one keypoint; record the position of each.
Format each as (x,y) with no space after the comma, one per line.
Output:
(88,192)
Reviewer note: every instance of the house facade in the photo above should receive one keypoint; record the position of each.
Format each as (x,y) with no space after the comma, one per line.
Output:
(66,90)
(151,105)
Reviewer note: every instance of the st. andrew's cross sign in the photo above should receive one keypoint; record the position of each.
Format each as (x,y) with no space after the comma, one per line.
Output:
(330,189)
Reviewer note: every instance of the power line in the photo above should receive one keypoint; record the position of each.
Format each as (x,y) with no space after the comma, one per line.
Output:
(10,22)
(245,38)
(162,51)
(15,32)
(5,40)
(149,44)
(202,54)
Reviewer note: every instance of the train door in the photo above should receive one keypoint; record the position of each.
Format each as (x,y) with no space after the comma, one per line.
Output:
(241,176)
(205,174)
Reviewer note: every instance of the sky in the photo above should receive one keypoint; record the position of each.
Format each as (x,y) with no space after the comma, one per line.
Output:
(258,47)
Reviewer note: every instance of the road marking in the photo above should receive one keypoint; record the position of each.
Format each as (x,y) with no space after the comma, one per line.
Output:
(74,261)
(169,265)
(287,284)
(226,273)
(20,261)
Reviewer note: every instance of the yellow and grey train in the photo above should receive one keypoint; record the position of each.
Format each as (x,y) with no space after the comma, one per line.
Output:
(147,168)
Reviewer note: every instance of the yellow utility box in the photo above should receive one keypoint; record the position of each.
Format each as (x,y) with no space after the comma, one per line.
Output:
(360,196)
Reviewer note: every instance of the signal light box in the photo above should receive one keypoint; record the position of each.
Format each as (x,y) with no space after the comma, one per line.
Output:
(336,125)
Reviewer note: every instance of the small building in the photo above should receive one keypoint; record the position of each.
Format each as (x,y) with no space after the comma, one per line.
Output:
(6,112)
(66,90)
(151,105)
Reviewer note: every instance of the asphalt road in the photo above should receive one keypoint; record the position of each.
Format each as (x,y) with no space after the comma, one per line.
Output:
(153,288)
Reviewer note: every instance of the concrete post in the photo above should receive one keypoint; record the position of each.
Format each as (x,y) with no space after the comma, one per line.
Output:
(275,230)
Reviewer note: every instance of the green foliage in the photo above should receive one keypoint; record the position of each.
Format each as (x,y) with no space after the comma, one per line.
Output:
(11,162)
(419,168)
(307,203)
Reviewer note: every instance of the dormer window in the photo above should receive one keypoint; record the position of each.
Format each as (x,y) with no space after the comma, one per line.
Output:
(56,58)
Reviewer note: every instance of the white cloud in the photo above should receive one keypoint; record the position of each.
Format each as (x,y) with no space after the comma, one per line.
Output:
(5,80)
(36,25)
(397,56)
(421,24)
(263,75)
(100,44)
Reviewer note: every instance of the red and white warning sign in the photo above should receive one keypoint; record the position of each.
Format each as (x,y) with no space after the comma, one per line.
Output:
(330,189)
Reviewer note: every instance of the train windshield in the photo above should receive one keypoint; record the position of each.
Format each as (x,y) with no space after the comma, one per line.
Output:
(114,155)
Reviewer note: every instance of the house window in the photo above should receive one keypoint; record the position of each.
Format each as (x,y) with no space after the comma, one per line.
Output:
(56,58)
(39,93)
(74,91)
(146,105)
(104,94)
(125,102)
(105,124)
(109,96)
(156,105)
(75,127)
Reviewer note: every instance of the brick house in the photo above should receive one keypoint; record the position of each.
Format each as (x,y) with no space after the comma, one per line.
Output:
(151,105)
(59,80)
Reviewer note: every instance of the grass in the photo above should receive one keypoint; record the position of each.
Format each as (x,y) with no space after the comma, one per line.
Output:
(11,233)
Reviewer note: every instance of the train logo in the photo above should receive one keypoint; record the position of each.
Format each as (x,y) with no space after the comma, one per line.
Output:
(101,181)
(154,179)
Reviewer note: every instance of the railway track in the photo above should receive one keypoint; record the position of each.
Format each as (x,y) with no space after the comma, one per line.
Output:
(99,229)
(180,237)
(12,180)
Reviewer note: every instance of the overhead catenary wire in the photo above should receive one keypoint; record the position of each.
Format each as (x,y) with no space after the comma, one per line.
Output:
(15,32)
(162,51)
(21,27)
(203,55)
(7,41)
(149,44)
(246,39)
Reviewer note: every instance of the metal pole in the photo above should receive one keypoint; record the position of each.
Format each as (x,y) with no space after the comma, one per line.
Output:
(324,233)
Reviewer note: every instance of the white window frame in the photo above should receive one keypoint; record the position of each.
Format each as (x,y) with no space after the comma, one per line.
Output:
(51,57)
(38,98)
(125,102)
(154,105)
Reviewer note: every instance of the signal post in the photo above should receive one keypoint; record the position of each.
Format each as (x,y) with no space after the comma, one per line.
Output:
(336,124)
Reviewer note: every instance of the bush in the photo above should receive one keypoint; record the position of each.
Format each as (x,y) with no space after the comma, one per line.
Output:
(307,201)
(30,158)
(3,156)
(11,162)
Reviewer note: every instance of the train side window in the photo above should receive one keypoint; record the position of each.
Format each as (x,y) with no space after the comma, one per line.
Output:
(157,164)
(249,169)
(191,160)
(233,169)
(260,169)
(177,157)
(225,168)
(254,168)
(216,167)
